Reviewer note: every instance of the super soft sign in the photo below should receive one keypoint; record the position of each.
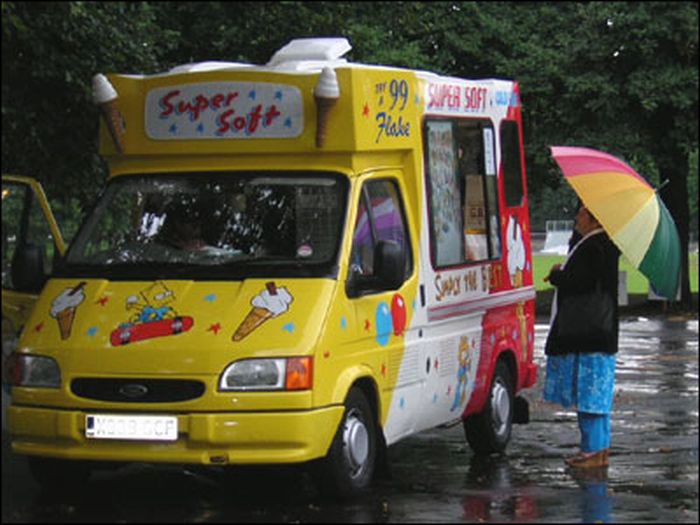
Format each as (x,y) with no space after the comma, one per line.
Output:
(468,98)
(224,110)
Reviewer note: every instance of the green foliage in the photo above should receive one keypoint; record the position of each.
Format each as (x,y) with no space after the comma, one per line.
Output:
(50,52)
(617,76)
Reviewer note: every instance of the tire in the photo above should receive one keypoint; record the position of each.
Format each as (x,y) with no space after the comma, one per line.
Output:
(489,431)
(58,475)
(349,466)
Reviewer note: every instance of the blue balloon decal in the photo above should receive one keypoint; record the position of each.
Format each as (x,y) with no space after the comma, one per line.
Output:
(383,323)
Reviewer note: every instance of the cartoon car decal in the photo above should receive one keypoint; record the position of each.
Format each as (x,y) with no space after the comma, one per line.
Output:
(153,316)
(130,333)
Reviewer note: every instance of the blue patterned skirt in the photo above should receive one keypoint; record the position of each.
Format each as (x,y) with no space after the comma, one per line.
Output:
(585,381)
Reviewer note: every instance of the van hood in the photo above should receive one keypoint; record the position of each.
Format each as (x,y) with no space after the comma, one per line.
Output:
(99,327)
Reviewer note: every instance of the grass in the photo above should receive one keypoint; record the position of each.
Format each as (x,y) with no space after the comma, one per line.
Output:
(636,282)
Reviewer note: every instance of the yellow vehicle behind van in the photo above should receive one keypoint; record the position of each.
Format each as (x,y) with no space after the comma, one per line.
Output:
(301,262)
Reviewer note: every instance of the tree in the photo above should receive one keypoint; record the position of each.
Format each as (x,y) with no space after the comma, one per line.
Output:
(50,52)
(616,76)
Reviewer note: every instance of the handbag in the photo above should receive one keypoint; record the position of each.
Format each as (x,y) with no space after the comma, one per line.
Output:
(585,315)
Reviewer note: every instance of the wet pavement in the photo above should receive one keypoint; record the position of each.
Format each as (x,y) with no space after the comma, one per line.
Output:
(653,473)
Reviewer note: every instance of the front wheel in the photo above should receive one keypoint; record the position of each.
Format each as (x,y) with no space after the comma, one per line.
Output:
(489,431)
(349,465)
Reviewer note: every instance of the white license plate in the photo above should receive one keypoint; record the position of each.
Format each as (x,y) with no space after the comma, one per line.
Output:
(151,428)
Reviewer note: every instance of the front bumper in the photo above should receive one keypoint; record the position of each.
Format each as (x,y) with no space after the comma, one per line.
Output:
(203,438)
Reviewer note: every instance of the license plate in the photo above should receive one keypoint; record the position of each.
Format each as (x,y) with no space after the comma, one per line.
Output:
(151,428)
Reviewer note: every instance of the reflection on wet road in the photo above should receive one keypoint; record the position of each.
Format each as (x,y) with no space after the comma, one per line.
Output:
(653,475)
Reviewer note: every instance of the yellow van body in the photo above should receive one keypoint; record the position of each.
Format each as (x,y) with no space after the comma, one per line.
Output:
(423,352)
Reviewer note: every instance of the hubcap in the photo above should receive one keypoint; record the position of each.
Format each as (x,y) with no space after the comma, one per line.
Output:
(500,407)
(355,443)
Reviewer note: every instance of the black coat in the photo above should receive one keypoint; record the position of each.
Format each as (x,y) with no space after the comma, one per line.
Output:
(595,260)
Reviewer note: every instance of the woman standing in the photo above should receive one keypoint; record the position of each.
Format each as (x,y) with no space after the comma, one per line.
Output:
(583,337)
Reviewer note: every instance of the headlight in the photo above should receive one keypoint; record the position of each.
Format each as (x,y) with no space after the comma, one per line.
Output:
(294,373)
(33,371)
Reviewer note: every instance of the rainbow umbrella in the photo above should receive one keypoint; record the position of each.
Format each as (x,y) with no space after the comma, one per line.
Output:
(630,211)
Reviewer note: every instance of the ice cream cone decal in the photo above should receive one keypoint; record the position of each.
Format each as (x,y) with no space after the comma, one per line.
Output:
(326,94)
(106,98)
(64,307)
(268,304)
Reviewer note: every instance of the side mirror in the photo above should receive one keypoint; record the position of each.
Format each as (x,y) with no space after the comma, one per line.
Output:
(389,264)
(28,269)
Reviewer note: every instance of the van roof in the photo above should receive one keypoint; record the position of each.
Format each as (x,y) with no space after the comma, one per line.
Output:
(185,111)
(302,55)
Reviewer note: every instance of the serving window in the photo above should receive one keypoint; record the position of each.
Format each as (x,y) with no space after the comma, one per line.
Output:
(462,181)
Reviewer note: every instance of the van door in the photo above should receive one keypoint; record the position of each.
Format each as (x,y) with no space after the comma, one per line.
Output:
(382,287)
(31,242)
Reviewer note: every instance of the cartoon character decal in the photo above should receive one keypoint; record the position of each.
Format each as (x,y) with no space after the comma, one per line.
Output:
(268,304)
(463,365)
(64,307)
(153,316)
(516,252)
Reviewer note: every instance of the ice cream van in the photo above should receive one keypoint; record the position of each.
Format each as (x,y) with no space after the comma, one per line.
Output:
(296,263)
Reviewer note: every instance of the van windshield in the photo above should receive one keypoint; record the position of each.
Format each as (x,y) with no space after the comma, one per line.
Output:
(213,226)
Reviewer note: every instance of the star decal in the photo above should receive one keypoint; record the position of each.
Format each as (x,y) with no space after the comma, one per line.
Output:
(102,300)
(39,327)
(383,372)
(214,328)
(368,325)
(365,110)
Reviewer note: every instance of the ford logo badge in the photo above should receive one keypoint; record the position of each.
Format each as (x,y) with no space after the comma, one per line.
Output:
(133,390)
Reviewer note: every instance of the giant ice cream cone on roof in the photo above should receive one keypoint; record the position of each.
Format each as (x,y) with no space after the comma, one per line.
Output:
(326,94)
(106,98)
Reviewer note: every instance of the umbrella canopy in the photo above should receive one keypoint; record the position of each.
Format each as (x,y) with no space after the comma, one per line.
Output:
(630,211)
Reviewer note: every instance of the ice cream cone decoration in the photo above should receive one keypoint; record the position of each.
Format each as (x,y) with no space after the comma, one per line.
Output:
(326,95)
(255,318)
(106,98)
(516,252)
(64,307)
(268,304)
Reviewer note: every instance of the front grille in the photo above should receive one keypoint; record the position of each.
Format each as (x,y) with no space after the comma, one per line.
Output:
(130,390)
